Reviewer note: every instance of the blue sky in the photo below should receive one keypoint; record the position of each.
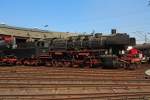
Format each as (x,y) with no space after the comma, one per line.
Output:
(131,16)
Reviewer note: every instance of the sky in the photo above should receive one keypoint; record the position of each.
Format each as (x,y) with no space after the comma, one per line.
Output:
(130,16)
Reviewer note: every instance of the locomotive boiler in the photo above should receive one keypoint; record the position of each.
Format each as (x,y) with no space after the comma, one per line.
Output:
(113,43)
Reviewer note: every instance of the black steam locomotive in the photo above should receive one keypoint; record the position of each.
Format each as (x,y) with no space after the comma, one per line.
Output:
(74,50)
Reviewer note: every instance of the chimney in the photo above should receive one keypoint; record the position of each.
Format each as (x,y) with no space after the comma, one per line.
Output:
(113,31)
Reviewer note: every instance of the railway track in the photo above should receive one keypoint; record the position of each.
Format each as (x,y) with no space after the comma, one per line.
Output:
(43,83)
(71,75)
(70,72)
(95,96)
(51,69)
(64,75)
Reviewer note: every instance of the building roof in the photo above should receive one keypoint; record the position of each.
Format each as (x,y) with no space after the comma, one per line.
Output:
(143,46)
(31,32)
(21,28)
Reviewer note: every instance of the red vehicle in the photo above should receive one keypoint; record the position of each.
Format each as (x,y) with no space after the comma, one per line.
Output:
(132,58)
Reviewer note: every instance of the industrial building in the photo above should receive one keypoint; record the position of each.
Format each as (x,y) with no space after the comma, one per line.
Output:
(29,34)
